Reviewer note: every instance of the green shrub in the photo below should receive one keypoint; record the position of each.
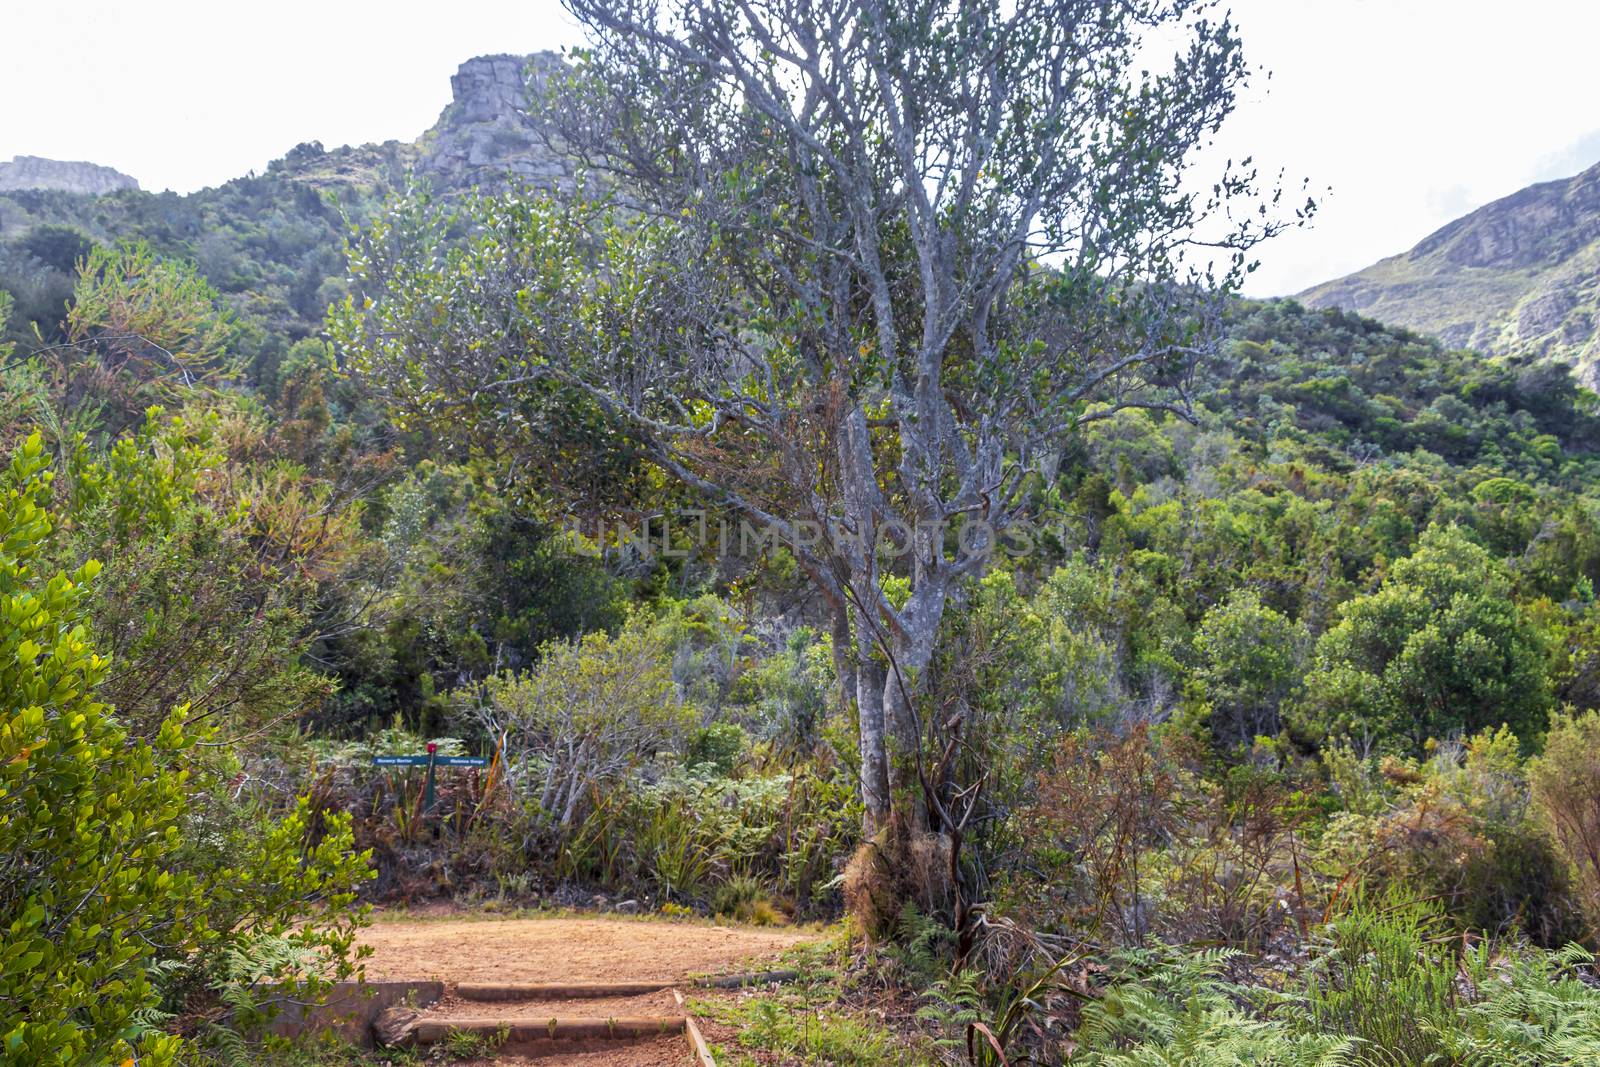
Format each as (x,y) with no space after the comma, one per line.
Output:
(718,745)
(1387,978)
(89,821)
(802,1027)
(1249,662)
(585,717)
(1566,785)
(744,899)
(132,881)
(1440,649)
(1181,1012)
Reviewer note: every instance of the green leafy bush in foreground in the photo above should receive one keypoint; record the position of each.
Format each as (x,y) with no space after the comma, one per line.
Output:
(123,889)
(87,820)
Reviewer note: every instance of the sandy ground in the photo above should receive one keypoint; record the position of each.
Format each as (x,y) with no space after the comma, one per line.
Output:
(565,949)
(662,1052)
(648,1004)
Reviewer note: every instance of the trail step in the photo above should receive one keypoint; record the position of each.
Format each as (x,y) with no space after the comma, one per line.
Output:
(556,990)
(583,990)
(432,1031)
(550,1016)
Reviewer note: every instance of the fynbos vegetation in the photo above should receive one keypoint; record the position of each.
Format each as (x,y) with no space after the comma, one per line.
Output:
(842,483)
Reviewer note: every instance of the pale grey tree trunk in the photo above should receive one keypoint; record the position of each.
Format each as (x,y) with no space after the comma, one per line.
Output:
(875,794)
(844,661)
(911,654)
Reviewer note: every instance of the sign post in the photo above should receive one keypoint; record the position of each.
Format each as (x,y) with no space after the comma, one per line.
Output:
(431,760)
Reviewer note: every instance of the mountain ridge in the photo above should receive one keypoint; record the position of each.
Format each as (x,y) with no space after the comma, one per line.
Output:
(1520,275)
(271,242)
(70,176)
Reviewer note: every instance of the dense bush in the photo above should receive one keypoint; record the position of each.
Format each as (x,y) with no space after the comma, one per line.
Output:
(1381,991)
(1248,663)
(1565,780)
(1459,827)
(125,897)
(1437,651)
(585,717)
(88,821)
(602,780)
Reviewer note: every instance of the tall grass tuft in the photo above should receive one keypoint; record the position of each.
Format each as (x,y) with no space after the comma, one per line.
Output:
(1388,978)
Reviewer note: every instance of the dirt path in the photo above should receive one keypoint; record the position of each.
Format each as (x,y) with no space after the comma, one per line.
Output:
(565,949)
(662,1052)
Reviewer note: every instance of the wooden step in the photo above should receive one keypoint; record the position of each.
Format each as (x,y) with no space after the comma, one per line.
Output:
(555,990)
(432,1031)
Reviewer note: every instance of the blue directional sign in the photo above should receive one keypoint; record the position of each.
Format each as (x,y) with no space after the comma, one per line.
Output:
(423,761)
(431,760)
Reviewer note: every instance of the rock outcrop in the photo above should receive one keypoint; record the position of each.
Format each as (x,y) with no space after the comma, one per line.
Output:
(486,138)
(364,166)
(36,172)
(1519,275)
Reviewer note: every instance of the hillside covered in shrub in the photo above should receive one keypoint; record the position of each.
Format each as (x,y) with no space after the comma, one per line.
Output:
(1258,721)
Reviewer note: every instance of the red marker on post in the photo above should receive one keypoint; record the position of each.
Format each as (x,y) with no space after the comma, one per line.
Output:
(433,756)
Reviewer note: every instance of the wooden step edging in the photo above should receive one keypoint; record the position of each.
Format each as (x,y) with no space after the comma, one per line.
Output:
(523,1029)
(493,991)
(427,1031)
(555,990)
(353,1008)
(691,1030)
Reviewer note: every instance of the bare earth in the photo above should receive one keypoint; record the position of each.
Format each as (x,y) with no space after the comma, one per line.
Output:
(646,1004)
(455,950)
(662,1052)
(565,949)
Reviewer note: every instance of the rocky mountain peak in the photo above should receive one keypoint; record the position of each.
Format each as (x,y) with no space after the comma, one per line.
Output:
(1519,275)
(1529,228)
(485,137)
(36,172)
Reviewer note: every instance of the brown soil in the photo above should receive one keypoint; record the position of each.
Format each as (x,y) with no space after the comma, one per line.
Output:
(565,949)
(455,950)
(650,1004)
(661,1052)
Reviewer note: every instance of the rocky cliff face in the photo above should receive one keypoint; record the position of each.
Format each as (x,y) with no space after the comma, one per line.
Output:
(485,137)
(1519,275)
(36,172)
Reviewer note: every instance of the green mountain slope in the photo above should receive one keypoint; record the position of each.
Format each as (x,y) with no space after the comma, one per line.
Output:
(1520,275)
(272,243)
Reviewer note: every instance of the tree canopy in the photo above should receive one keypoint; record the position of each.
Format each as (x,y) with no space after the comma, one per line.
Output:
(871,266)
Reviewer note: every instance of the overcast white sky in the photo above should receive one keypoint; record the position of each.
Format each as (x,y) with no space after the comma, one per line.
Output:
(1413,111)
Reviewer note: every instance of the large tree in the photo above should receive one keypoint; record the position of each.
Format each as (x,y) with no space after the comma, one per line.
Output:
(1439,650)
(872,265)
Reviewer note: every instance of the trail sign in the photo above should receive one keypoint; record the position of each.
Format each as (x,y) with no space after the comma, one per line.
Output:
(430,760)
(423,761)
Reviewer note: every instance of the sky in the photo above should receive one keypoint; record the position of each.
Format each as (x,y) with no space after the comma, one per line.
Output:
(1404,114)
